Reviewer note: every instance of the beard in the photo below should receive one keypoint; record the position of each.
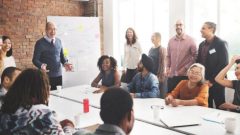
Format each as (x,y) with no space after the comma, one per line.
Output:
(140,69)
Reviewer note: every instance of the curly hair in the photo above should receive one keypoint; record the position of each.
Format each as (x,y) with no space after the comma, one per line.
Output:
(113,62)
(31,87)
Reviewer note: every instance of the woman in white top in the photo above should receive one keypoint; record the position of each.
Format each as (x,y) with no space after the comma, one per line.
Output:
(8,60)
(132,53)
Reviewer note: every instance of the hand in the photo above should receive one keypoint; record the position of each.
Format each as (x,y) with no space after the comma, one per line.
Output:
(4,47)
(182,71)
(44,67)
(98,91)
(175,102)
(68,67)
(234,58)
(227,106)
(208,83)
(133,95)
(66,122)
(168,100)
(168,71)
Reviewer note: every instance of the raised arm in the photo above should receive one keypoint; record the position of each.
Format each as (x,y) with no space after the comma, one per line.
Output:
(220,78)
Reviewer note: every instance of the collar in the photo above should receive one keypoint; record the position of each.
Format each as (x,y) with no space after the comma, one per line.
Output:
(210,41)
(3,91)
(50,39)
(184,36)
(146,76)
(111,129)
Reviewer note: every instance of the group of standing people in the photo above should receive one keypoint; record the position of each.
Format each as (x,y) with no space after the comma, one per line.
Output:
(181,60)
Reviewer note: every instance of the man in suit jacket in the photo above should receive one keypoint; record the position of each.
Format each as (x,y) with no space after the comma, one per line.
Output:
(213,54)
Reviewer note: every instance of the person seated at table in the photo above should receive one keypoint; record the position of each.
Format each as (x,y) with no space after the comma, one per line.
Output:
(25,110)
(108,74)
(8,77)
(192,91)
(116,113)
(144,84)
(234,84)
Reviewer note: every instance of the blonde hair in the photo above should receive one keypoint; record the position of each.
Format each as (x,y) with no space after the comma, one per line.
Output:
(202,70)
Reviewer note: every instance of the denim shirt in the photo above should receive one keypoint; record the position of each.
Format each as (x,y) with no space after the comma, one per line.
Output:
(145,87)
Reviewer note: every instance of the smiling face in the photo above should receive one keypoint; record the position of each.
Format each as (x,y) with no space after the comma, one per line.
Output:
(8,44)
(106,65)
(195,74)
(130,34)
(51,30)
(237,71)
(179,27)
(155,39)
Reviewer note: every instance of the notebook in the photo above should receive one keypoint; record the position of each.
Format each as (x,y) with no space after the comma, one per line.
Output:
(179,121)
(216,116)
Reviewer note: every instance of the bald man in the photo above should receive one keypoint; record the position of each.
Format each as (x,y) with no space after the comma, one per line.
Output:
(181,54)
(48,56)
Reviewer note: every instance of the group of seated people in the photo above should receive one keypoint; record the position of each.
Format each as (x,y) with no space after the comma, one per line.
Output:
(24,97)
(25,110)
(145,84)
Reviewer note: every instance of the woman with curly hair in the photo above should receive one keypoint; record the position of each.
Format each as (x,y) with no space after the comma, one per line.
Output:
(25,110)
(108,74)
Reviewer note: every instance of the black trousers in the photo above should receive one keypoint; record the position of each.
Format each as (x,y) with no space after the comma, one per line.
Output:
(216,94)
(55,81)
(130,74)
(172,82)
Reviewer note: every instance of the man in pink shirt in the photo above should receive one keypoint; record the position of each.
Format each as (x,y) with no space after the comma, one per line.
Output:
(181,54)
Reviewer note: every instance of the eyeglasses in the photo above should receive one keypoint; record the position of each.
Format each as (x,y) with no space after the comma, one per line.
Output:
(195,73)
(179,24)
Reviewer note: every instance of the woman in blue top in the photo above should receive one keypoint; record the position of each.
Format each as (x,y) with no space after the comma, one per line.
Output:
(108,74)
(234,84)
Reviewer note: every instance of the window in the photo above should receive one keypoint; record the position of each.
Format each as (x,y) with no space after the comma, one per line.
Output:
(145,17)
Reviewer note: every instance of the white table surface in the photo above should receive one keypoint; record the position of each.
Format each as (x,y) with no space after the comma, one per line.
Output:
(143,111)
(66,109)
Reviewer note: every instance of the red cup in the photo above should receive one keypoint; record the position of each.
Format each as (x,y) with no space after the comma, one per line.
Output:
(85,105)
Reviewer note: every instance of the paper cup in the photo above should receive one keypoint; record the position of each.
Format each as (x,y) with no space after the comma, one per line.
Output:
(230,124)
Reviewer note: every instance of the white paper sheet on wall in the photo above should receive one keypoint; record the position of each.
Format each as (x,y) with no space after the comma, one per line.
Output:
(80,37)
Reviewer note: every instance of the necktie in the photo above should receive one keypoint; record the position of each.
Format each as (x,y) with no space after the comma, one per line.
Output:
(52,42)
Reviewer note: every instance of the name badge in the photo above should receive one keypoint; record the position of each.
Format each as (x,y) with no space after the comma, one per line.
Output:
(212,51)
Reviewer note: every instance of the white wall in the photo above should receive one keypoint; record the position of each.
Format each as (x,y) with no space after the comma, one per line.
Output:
(108,26)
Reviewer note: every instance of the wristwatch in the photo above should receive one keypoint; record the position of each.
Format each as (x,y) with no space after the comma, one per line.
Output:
(238,109)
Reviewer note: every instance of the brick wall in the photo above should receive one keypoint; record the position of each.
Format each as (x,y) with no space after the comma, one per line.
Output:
(24,21)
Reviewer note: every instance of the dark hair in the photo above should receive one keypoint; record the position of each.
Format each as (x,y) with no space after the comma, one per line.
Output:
(8,72)
(31,87)
(134,37)
(113,62)
(211,25)
(237,61)
(116,103)
(9,53)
